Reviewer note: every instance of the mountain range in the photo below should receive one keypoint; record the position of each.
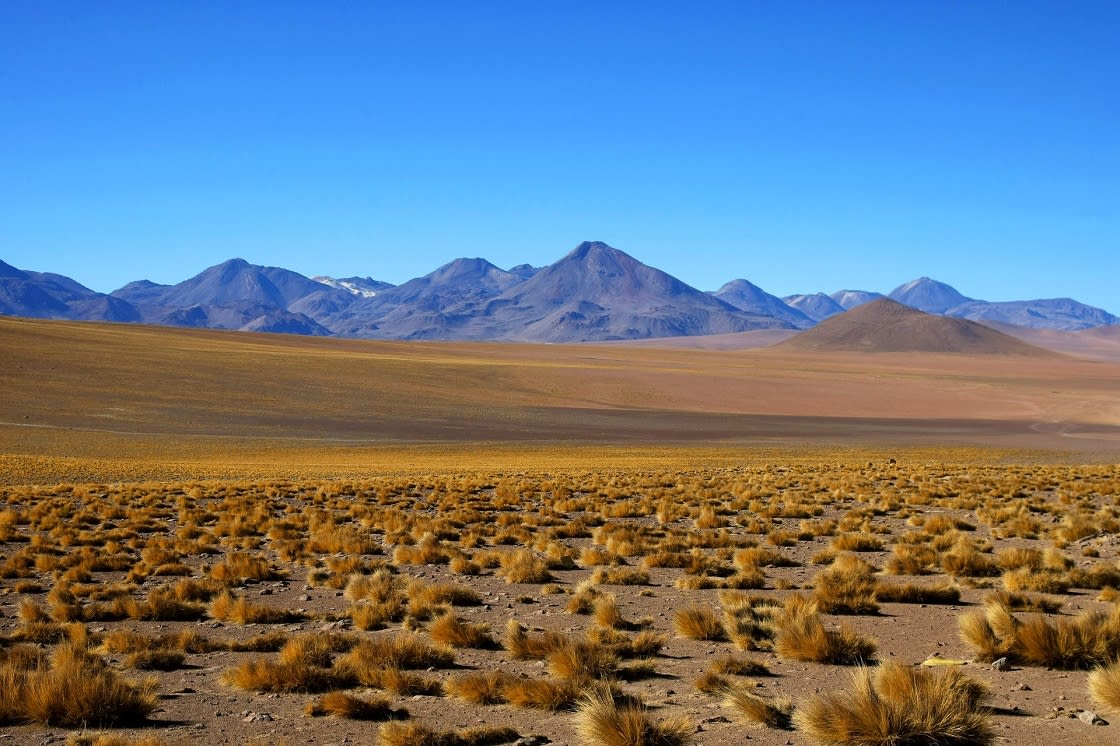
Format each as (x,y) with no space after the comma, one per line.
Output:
(594,293)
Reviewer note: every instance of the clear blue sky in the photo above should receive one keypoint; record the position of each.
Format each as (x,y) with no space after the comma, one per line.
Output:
(801,145)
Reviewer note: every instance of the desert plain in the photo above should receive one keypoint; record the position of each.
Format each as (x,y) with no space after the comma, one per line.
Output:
(273,539)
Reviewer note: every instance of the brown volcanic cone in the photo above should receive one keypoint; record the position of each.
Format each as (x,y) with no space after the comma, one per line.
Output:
(887,326)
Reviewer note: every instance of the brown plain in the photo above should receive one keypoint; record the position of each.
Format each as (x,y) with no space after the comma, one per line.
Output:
(287,539)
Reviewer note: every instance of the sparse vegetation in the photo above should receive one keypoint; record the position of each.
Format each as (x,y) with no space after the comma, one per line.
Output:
(892,704)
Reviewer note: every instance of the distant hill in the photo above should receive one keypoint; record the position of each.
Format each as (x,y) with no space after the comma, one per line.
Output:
(594,293)
(50,296)
(816,306)
(598,293)
(748,297)
(887,326)
(1052,313)
(849,299)
(928,295)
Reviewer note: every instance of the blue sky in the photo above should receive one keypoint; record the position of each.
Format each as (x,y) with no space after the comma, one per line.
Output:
(803,146)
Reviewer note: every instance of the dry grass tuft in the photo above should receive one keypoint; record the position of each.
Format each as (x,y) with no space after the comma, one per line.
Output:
(415,734)
(523,647)
(1104,685)
(603,721)
(1090,639)
(698,623)
(265,675)
(755,710)
(350,707)
(74,689)
(915,593)
(450,630)
(543,694)
(523,566)
(802,636)
(480,689)
(898,705)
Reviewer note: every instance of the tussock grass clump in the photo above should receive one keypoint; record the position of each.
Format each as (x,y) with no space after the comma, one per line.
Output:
(711,682)
(698,623)
(752,709)
(964,560)
(893,705)
(480,689)
(749,621)
(523,566)
(582,660)
(74,688)
(240,610)
(1024,602)
(911,559)
(415,734)
(620,576)
(1041,581)
(857,543)
(450,630)
(112,739)
(846,587)
(241,566)
(522,646)
(1104,685)
(397,682)
(351,707)
(1092,638)
(739,666)
(543,694)
(155,660)
(603,721)
(266,675)
(802,636)
(914,593)
(403,650)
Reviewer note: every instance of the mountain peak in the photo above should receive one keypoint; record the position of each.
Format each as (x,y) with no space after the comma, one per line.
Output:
(928,295)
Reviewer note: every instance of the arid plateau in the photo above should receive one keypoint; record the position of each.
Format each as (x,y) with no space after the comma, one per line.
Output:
(847,537)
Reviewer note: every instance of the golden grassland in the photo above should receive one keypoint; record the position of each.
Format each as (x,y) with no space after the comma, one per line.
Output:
(613,605)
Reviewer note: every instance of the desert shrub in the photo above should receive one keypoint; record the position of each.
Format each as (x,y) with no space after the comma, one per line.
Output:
(450,630)
(619,576)
(846,587)
(698,623)
(1104,685)
(403,650)
(603,721)
(1090,639)
(753,709)
(351,707)
(802,636)
(415,734)
(581,660)
(914,593)
(893,705)
(522,646)
(74,688)
(266,675)
(480,689)
(542,694)
(523,566)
